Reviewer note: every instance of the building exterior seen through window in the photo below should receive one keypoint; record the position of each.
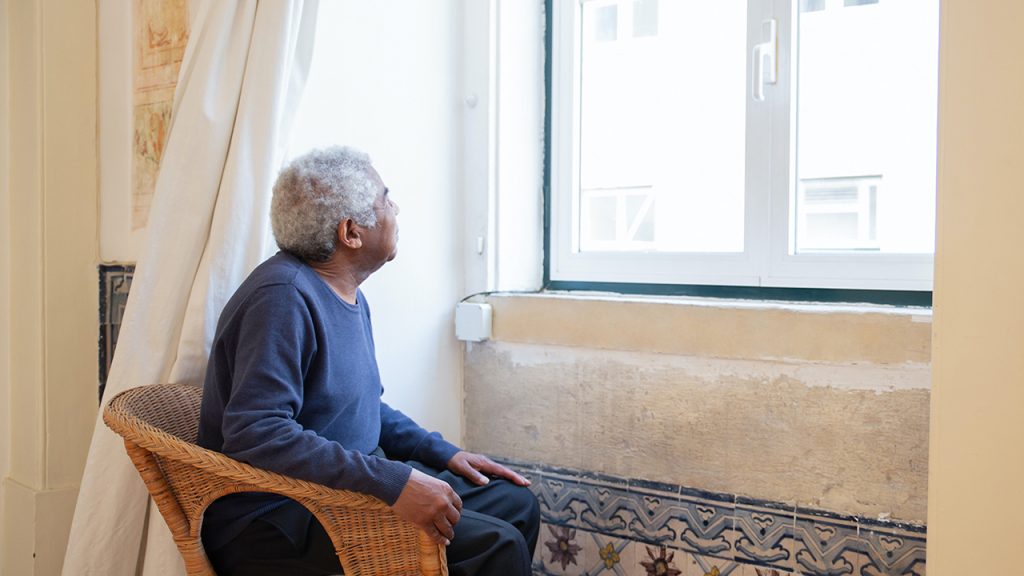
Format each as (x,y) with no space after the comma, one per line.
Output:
(672,143)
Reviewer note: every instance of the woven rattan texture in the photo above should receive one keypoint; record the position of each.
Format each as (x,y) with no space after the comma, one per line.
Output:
(159,424)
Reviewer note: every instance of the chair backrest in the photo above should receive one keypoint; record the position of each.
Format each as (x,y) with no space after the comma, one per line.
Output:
(171,408)
(162,416)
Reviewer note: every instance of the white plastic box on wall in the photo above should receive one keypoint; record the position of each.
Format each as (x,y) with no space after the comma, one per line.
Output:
(473,321)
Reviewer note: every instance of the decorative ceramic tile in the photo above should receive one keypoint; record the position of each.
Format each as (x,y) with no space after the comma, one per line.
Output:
(557,493)
(892,549)
(618,524)
(532,475)
(826,544)
(654,506)
(604,554)
(608,555)
(559,550)
(765,534)
(706,525)
(711,566)
(608,508)
(660,561)
(114,284)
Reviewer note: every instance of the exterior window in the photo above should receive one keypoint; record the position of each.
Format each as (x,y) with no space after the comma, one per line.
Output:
(837,214)
(762,143)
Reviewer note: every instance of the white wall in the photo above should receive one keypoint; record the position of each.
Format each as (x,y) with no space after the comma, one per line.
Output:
(384,80)
(118,242)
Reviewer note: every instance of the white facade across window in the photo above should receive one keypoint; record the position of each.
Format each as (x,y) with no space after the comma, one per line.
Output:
(774,143)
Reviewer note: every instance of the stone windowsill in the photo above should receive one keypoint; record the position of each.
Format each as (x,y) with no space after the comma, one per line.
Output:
(718,328)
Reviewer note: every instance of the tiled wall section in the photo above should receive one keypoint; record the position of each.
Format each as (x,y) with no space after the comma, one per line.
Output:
(115,281)
(595,524)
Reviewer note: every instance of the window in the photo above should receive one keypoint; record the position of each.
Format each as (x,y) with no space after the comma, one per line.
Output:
(760,143)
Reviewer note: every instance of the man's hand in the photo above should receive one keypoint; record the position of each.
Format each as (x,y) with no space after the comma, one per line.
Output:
(430,504)
(475,466)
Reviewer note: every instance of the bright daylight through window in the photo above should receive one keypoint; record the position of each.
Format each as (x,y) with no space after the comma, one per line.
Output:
(773,143)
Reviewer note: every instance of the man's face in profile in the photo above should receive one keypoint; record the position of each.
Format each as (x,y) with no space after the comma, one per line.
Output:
(381,241)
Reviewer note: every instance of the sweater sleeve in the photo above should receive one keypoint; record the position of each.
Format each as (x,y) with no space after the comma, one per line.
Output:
(402,438)
(271,350)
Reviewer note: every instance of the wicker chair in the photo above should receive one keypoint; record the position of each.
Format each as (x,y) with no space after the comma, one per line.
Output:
(159,424)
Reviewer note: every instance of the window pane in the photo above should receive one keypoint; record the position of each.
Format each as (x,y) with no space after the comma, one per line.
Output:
(645,18)
(866,118)
(812,5)
(662,122)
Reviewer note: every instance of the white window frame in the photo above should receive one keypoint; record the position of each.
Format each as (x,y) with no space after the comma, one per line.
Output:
(768,259)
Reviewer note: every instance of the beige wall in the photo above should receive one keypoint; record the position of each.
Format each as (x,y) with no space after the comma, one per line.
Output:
(52,294)
(812,405)
(5,277)
(976,505)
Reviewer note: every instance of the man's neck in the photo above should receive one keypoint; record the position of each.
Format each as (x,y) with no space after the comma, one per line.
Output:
(341,276)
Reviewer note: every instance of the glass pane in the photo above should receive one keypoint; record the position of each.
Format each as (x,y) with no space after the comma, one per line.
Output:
(866,126)
(662,126)
(812,5)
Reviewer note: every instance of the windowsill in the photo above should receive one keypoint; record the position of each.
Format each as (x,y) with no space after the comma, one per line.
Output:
(715,327)
(924,313)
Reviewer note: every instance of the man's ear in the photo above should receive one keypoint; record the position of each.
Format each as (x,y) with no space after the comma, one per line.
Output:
(349,234)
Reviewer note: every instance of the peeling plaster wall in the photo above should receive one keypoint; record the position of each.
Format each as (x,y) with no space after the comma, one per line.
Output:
(784,403)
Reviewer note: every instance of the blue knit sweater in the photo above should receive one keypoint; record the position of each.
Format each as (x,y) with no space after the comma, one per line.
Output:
(292,386)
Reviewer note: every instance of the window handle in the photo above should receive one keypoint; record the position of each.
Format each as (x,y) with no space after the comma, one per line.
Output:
(764,64)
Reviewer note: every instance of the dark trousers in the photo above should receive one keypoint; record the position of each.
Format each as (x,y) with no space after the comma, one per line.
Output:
(496,535)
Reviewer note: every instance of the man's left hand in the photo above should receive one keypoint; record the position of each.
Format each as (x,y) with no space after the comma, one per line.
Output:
(475,467)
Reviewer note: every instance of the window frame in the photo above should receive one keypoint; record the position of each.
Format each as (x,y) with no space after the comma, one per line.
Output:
(766,268)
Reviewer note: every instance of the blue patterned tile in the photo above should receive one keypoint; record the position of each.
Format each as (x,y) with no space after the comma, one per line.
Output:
(653,487)
(617,522)
(704,526)
(765,534)
(115,283)
(826,545)
(556,495)
(913,529)
(655,506)
(892,551)
(609,508)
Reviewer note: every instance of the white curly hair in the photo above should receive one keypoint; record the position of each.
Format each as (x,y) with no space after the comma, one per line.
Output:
(315,193)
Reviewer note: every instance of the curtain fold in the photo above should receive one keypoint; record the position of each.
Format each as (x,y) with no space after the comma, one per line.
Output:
(241,80)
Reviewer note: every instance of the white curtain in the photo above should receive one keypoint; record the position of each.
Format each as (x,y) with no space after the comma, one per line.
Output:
(241,81)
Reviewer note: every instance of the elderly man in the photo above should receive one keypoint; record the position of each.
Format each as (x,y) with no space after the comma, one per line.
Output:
(293,387)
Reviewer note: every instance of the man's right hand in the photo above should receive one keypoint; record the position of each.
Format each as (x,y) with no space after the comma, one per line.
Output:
(430,504)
